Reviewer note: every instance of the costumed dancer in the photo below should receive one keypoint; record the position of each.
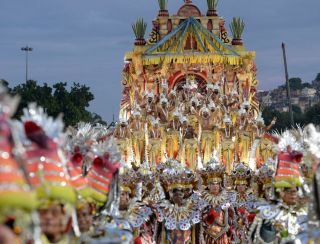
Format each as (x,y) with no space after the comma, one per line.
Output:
(79,146)
(17,199)
(283,222)
(138,136)
(155,142)
(140,213)
(103,177)
(122,135)
(228,144)
(264,177)
(47,171)
(172,135)
(215,217)
(179,213)
(311,139)
(242,200)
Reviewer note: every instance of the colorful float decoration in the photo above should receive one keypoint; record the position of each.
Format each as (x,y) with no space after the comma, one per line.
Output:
(189,92)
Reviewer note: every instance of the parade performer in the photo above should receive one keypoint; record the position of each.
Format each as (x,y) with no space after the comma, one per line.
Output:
(311,158)
(140,212)
(179,212)
(109,224)
(47,171)
(190,148)
(155,142)
(79,145)
(228,144)
(17,199)
(264,178)
(215,218)
(242,200)
(205,119)
(137,136)
(283,222)
(172,136)
(122,134)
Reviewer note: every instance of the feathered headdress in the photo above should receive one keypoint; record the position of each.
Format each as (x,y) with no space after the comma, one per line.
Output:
(15,192)
(214,172)
(241,174)
(46,163)
(209,86)
(155,121)
(174,175)
(227,119)
(265,175)
(106,161)
(38,126)
(290,156)
(128,181)
(311,138)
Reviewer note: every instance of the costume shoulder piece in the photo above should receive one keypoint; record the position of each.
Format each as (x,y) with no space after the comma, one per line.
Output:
(173,175)
(268,212)
(138,214)
(175,217)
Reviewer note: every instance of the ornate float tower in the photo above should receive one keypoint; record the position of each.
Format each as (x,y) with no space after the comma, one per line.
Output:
(189,92)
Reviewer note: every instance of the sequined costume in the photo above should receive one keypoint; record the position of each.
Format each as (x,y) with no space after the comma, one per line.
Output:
(214,225)
(179,213)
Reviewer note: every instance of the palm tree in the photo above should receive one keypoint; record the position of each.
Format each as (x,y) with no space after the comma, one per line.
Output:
(139,28)
(212,7)
(212,4)
(237,26)
(163,4)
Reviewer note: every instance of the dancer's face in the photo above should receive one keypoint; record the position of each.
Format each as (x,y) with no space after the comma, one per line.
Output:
(85,217)
(177,196)
(289,195)
(124,200)
(53,221)
(241,188)
(214,188)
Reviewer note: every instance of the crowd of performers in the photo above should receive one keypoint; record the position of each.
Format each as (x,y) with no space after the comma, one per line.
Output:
(194,121)
(67,185)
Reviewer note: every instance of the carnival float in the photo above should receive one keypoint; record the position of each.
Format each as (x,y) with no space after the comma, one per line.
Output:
(190,160)
(189,93)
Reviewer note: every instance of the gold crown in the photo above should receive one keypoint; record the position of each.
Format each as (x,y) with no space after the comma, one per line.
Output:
(265,175)
(173,175)
(128,181)
(144,174)
(214,172)
(241,174)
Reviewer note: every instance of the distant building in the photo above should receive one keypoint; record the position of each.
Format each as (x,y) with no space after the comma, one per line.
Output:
(303,98)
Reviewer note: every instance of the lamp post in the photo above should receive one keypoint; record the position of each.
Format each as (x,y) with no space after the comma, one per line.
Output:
(27,50)
(287,83)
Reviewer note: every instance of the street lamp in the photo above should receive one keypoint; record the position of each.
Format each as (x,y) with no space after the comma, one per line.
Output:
(27,50)
(287,83)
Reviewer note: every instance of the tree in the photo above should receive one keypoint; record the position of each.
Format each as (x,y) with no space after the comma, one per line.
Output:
(4,83)
(306,84)
(283,118)
(283,121)
(312,115)
(295,83)
(72,103)
(318,77)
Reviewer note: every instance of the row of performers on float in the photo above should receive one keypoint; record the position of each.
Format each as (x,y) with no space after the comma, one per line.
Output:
(56,192)
(188,99)
(188,141)
(180,209)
